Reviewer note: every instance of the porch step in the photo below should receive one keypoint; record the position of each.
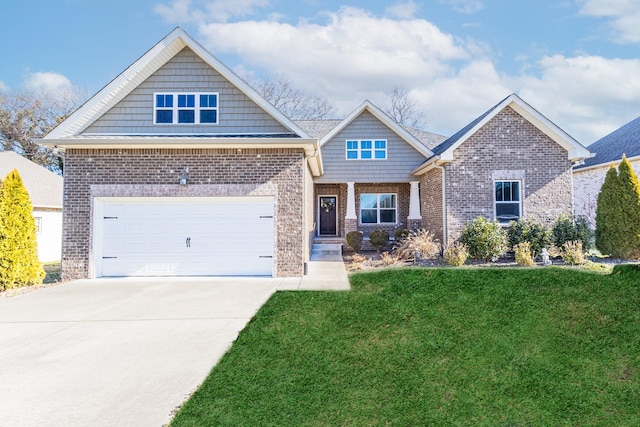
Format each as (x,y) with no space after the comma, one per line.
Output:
(323,249)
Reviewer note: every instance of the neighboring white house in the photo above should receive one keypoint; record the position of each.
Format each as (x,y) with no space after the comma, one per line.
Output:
(45,190)
(589,177)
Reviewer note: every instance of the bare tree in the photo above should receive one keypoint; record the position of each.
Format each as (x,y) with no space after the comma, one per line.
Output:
(27,115)
(292,102)
(402,108)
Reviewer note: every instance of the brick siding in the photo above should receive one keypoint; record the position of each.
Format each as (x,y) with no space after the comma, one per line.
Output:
(431,203)
(155,172)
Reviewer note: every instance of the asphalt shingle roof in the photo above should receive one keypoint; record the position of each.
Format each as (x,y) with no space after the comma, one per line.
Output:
(44,187)
(625,140)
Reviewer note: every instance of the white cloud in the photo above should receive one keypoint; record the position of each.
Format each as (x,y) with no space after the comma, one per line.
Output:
(624,16)
(405,10)
(588,96)
(182,11)
(46,82)
(352,55)
(467,7)
(3,87)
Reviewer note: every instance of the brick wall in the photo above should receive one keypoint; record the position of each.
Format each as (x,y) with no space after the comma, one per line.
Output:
(507,147)
(155,172)
(431,202)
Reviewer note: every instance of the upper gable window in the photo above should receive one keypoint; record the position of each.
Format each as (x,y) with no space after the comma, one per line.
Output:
(366,149)
(185,108)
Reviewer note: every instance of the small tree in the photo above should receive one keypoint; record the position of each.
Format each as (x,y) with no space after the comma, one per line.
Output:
(618,213)
(609,213)
(19,264)
(629,246)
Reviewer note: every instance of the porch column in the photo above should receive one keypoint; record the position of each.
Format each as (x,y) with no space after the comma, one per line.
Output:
(351,220)
(414,220)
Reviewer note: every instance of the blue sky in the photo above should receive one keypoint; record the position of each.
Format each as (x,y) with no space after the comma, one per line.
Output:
(577,61)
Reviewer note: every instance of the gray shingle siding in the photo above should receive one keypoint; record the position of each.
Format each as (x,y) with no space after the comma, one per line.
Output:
(401,157)
(186,72)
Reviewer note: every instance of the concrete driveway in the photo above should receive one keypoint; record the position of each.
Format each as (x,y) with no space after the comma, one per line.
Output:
(120,352)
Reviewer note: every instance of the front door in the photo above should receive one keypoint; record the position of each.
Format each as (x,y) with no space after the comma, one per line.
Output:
(327,216)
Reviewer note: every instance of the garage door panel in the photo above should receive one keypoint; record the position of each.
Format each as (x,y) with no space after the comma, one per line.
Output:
(187,236)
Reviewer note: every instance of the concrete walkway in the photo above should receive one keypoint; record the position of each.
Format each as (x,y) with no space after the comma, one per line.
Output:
(324,273)
(126,352)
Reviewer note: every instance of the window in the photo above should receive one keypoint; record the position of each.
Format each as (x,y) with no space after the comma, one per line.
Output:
(507,198)
(38,224)
(366,149)
(186,108)
(378,208)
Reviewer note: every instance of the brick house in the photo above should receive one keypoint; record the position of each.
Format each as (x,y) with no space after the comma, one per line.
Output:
(589,176)
(178,167)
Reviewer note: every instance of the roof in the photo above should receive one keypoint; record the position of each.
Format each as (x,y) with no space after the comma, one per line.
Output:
(610,148)
(144,67)
(385,119)
(444,151)
(44,187)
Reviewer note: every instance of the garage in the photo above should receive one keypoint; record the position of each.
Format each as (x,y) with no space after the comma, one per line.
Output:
(183,236)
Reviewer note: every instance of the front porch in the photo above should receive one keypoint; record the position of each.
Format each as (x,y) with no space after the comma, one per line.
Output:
(344,207)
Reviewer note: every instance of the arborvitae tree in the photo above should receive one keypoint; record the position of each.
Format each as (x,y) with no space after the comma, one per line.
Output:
(629,246)
(609,213)
(19,264)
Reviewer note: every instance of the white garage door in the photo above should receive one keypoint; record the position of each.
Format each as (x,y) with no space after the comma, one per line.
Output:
(195,236)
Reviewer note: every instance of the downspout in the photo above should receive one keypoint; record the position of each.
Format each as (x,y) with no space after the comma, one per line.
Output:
(444,206)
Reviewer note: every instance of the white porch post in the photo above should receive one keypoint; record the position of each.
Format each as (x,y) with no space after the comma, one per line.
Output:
(414,220)
(351,220)
(351,201)
(414,201)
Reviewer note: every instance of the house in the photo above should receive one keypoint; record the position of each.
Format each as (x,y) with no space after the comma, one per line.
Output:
(589,176)
(45,191)
(508,163)
(178,167)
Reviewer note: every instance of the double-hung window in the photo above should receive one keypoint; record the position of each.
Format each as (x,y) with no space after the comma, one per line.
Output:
(366,149)
(186,108)
(508,201)
(378,208)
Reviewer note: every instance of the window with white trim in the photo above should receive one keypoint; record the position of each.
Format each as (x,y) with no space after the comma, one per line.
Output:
(508,201)
(378,208)
(185,108)
(366,149)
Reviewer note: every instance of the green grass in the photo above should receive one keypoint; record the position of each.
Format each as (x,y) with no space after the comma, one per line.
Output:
(418,347)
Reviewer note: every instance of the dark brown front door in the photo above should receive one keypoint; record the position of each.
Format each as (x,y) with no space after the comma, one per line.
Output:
(327,209)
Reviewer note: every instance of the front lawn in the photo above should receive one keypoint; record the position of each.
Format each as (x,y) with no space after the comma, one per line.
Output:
(417,347)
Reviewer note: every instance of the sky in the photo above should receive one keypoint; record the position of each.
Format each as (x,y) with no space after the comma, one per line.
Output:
(576,61)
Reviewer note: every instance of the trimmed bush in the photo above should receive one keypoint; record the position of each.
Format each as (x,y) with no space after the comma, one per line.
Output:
(567,229)
(524,256)
(19,263)
(400,234)
(528,230)
(420,243)
(456,254)
(354,240)
(486,240)
(572,253)
(379,239)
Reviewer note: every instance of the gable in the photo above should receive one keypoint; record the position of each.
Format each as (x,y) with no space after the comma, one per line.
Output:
(186,72)
(401,159)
